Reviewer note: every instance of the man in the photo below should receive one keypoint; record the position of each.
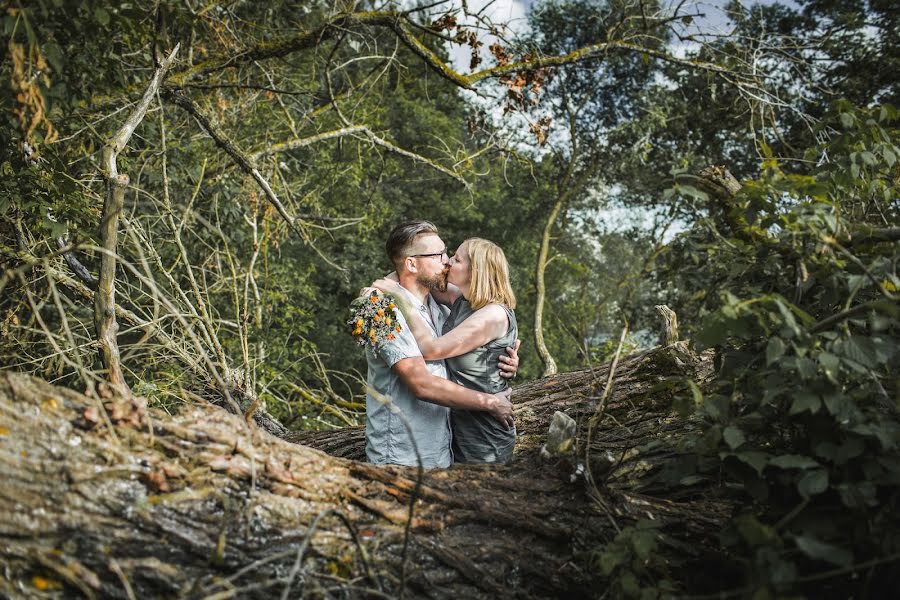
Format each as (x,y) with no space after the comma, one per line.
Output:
(409,398)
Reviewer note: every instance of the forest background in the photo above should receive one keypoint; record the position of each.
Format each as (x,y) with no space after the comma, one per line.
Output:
(287,139)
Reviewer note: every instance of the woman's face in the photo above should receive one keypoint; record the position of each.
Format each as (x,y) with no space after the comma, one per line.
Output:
(460,273)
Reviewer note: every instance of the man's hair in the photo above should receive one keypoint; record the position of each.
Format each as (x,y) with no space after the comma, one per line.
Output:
(489,274)
(403,236)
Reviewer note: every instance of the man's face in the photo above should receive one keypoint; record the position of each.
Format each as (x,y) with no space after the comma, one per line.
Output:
(429,254)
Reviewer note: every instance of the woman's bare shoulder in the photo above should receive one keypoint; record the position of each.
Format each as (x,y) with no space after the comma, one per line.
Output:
(492,313)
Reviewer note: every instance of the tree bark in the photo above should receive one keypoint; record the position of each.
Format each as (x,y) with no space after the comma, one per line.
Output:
(200,504)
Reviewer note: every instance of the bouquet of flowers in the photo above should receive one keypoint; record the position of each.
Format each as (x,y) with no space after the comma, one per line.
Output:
(373,319)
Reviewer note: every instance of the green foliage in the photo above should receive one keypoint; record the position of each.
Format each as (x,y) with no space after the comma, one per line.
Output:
(634,564)
(789,281)
(803,415)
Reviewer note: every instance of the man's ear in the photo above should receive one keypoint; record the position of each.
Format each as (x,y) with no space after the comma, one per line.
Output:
(410,265)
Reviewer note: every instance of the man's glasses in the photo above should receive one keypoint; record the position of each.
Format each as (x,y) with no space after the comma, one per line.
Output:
(440,254)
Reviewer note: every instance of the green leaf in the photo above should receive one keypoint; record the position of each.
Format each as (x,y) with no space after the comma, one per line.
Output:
(612,558)
(695,392)
(814,482)
(630,585)
(774,350)
(862,350)
(644,543)
(847,120)
(805,401)
(868,158)
(889,157)
(733,436)
(838,405)
(830,362)
(691,480)
(716,406)
(689,190)
(754,532)
(54,56)
(852,448)
(859,495)
(757,460)
(819,550)
(806,368)
(856,281)
(102,16)
(793,461)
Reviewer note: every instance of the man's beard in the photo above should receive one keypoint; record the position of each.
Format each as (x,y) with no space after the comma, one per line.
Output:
(436,283)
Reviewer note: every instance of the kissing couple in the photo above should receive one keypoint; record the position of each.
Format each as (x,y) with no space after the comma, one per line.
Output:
(438,391)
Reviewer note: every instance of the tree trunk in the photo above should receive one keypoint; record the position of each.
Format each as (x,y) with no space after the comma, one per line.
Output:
(202,504)
(105,296)
(541,291)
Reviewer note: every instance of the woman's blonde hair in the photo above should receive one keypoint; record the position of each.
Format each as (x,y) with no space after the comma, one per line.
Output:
(489,274)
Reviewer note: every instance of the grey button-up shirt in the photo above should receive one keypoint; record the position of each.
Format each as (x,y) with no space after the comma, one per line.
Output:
(388,439)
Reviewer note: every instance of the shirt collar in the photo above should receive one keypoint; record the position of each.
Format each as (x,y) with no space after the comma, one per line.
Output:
(424,308)
(415,301)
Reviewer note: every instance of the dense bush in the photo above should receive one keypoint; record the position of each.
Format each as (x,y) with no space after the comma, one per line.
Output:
(801,422)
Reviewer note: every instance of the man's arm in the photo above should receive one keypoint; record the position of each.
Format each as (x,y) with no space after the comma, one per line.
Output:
(437,390)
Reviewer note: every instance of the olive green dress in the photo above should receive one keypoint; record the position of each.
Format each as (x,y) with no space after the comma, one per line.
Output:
(477,436)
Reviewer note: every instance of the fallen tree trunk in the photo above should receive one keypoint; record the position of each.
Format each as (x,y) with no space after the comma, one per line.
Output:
(114,500)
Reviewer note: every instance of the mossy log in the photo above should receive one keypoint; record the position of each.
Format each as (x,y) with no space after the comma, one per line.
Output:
(107,498)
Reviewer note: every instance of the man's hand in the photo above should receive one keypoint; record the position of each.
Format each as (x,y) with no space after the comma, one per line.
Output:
(502,409)
(509,365)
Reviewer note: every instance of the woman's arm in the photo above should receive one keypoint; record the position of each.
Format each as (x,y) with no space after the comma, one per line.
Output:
(485,325)
(417,325)
(448,296)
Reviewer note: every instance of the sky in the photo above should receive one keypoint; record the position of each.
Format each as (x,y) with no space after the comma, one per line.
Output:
(710,18)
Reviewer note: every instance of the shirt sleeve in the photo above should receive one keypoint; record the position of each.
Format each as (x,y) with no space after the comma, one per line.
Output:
(402,346)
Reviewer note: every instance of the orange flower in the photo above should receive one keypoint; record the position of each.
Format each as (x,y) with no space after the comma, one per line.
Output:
(376,318)
(397,329)
(392,306)
(373,299)
(390,336)
(380,312)
(359,322)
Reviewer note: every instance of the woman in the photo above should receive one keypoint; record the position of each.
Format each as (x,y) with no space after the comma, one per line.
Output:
(480,326)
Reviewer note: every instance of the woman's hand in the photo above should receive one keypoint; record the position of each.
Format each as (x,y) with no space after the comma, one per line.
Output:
(388,286)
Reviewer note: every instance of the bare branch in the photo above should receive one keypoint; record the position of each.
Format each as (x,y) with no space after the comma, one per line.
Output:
(246,163)
(105,296)
(303,142)
(75,265)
